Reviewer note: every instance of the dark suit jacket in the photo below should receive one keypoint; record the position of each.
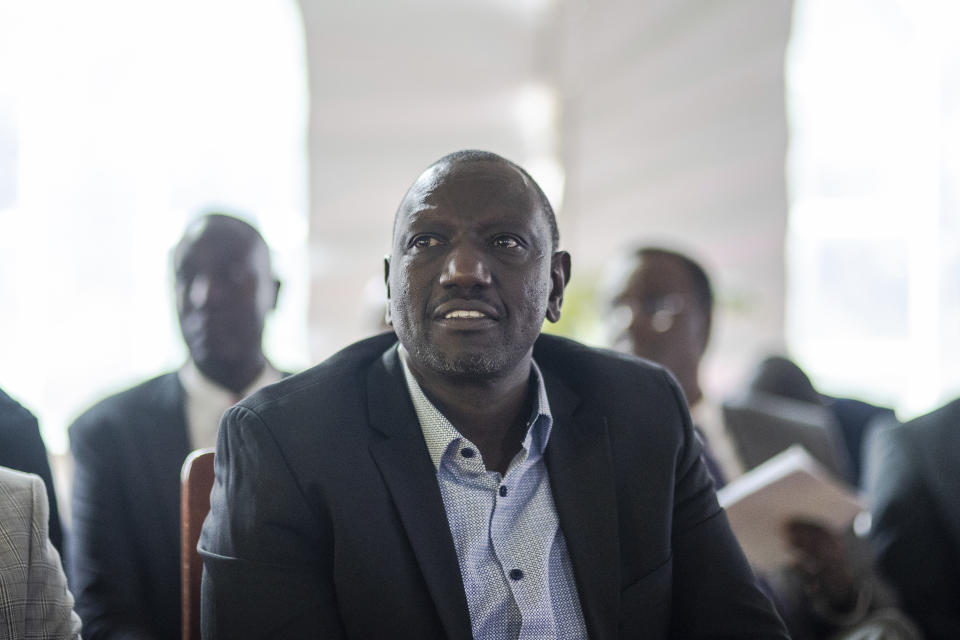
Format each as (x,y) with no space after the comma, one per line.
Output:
(125,560)
(855,419)
(327,521)
(913,476)
(21,448)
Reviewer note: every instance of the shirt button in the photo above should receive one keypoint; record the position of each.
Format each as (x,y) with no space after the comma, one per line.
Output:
(467,452)
(516,574)
(503,491)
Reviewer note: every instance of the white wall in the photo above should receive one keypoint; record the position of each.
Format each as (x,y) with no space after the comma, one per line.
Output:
(396,84)
(674,131)
(670,126)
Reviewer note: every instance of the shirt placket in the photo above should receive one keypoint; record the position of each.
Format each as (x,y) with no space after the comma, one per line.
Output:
(483,489)
(516,536)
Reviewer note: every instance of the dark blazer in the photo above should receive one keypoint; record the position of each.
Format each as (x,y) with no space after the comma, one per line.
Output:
(913,477)
(125,559)
(21,448)
(327,521)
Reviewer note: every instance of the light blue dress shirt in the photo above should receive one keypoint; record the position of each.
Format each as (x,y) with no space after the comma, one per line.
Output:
(513,558)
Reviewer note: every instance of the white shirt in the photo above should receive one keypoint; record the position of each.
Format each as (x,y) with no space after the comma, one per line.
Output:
(708,417)
(206,401)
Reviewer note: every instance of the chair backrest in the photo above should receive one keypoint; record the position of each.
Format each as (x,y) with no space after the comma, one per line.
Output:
(196,481)
(763,425)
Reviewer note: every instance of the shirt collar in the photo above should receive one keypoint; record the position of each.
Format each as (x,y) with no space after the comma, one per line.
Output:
(439,432)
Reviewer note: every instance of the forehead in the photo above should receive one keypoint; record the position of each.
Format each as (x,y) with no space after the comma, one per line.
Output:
(466,189)
(209,245)
(658,274)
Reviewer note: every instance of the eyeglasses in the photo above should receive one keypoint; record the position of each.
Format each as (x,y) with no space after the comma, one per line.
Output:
(660,311)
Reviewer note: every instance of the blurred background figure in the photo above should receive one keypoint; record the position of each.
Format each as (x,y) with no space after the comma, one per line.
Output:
(21,448)
(661,309)
(129,448)
(849,420)
(34,599)
(831,589)
(913,477)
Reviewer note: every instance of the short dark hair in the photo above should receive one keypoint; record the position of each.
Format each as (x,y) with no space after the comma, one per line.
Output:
(702,290)
(236,226)
(475,155)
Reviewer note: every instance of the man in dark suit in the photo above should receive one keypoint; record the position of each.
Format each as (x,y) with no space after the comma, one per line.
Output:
(22,448)
(913,479)
(129,448)
(476,479)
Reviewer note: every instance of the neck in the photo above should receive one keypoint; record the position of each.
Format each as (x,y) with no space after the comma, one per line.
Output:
(691,387)
(236,377)
(491,413)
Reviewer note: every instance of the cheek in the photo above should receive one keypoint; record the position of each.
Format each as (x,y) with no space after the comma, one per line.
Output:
(402,295)
(536,291)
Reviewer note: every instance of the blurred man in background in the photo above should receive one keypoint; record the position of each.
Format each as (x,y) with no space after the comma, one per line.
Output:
(662,310)
(129,448)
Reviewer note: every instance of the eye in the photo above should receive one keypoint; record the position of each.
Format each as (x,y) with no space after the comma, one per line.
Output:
(424,241)
(506,242)
(238,276)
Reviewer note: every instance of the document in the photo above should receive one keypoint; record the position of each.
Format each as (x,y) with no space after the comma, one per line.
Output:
(791,485)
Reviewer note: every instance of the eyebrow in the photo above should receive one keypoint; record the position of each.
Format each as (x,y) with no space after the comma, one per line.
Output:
(421,212)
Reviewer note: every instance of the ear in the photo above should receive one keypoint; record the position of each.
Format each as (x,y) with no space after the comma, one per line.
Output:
(559,277)
(276,294)
(386,280)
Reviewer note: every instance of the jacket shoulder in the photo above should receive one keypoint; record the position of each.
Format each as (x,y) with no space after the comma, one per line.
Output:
(340,376)
(934,425)
(17,481)
(154,396)
(18,490)
(13,415)
(593,369)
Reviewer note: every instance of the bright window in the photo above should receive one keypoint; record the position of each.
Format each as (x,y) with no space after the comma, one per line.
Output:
(874,240)
(119,122)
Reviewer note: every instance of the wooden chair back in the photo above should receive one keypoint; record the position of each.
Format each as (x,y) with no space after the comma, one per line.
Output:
(196,481)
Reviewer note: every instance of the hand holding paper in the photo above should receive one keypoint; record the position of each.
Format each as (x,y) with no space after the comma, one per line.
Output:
(789,487)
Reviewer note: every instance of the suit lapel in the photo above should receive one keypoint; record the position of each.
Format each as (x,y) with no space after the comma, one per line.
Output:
(401,455)
(164,446)
(580,466)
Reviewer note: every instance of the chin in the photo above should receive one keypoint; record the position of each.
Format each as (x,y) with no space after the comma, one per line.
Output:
(464,364)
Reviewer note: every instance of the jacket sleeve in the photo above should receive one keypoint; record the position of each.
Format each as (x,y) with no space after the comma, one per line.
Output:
(267,550)
(103,554)
(715,594)
(49,610)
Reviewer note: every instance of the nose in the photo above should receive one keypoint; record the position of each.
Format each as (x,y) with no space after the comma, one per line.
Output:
(465,268)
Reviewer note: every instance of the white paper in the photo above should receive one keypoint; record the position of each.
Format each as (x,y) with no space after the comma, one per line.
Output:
(791,485)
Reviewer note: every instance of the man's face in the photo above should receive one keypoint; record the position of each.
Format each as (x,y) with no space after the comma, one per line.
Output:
(472,272)
(224,291)
(657,316)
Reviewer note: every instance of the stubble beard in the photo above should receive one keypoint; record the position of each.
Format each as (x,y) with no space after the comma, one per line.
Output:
(469,365)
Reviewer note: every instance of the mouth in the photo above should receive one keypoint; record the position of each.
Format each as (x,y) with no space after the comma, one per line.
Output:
(465,309)
(466,314)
